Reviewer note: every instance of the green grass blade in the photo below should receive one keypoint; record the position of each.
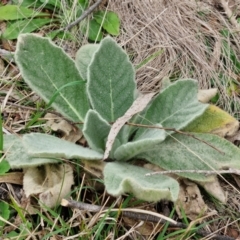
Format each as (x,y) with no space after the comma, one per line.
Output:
(149,59)
(59,90)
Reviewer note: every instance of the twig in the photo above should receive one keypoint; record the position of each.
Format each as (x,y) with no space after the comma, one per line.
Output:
(81,205)
(206,172)
(36,109)
(30,108)
(84,15)
(139,215)
(177,131)
(144,215)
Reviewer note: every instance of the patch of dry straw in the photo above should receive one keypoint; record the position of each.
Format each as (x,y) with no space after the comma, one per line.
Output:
(188,33)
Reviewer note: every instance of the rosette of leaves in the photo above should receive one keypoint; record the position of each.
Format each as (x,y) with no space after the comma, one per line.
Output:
(98,88)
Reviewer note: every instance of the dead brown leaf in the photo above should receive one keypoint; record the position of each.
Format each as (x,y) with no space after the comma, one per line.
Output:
(50,182)
(235,137)
(205,95)
(190,201)
(138,105)
(58,124)
(215,189)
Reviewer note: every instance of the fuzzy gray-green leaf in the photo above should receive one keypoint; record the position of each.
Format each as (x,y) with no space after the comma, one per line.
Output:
(145,142)
(120,178)
(138,105)
(17,156)
(176,106)
(83,58)
(43,145)
(111,83)
(182,152)
(96,130)
(48,70)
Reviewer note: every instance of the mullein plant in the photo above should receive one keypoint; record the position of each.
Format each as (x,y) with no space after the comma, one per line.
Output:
(98,89)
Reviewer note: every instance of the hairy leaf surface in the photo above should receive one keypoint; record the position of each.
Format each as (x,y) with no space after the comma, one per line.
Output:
(138,105)
(43,145)
(181,152)
(52,73)
(96,130)
(17,156)
(146,141)
(214,120)
(83,58)
(111,84)
(120,178)
(176,106)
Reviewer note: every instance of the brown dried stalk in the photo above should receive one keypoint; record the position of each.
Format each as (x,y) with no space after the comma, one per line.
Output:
(139,214)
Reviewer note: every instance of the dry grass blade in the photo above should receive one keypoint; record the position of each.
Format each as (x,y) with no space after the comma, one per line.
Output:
(143,215)
(189,33)
(138,105)
(135,213)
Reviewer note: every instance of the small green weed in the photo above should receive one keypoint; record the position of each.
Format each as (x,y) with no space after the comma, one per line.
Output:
(34,15)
